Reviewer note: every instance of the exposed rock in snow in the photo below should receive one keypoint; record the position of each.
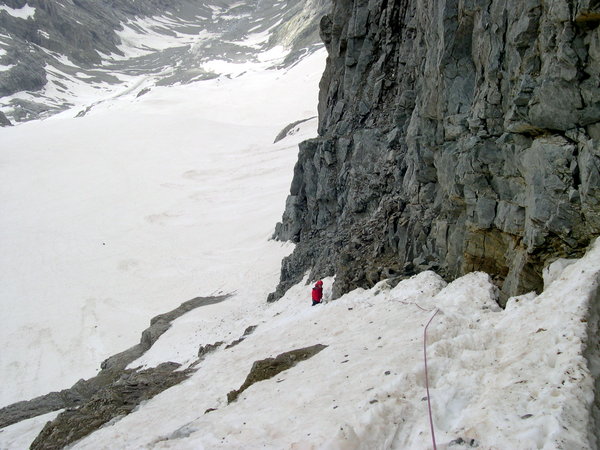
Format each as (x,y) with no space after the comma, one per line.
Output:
(524,377)
(289,129)
(113,402)
(266,369)
(158,325)
(113,369)
(4,122)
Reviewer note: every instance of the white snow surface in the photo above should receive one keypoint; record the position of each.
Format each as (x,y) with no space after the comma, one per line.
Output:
(142,36)
(21,13)
(113,218)
(499,379)
(22,434)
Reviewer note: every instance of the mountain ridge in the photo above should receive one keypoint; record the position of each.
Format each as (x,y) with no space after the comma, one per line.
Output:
(50,53)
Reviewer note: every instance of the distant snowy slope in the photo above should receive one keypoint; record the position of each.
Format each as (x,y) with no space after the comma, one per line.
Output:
(60,54)
(110,219)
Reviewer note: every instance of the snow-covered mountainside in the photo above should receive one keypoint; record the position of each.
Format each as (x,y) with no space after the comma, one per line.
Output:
(499,379)
(136,257)
(115,217)
(65,53)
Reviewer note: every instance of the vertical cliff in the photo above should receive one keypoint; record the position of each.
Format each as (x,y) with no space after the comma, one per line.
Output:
(454,135)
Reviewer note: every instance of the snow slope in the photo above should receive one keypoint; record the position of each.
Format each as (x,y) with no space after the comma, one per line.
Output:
(145,202)
(142,204)
(500,379)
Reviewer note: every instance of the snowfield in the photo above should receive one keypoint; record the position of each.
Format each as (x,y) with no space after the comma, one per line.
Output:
(499,379)
(502,379)
(112,218)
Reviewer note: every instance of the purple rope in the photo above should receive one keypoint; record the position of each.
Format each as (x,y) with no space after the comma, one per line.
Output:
(427,378)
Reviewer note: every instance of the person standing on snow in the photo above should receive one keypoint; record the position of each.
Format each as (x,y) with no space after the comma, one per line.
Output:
(317,293)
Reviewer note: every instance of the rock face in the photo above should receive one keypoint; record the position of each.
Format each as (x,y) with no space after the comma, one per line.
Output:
(454,135)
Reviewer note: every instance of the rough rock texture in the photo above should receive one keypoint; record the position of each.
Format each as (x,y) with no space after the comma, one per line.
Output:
(247,332)
(269,367)
(113,369)
(114,401)
(4,122)
(454,135)
(289,130)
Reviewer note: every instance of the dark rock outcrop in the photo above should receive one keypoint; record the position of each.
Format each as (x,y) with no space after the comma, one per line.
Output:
(113,369)
(288,130)
(269,367)
(241,339)
(117,400)
(454,136)
(4,122)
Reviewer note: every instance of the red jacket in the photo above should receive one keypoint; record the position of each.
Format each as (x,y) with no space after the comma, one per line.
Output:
(317,293)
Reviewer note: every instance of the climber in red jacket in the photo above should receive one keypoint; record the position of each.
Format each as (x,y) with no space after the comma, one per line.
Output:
(317,293)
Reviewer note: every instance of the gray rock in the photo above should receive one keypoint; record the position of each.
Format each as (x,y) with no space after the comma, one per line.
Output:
(112,370)
(269,367)
(288,130)
(4,122)
(114,401)
(465,138)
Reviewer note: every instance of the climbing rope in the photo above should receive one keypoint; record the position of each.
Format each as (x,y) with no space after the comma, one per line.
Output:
(427,378)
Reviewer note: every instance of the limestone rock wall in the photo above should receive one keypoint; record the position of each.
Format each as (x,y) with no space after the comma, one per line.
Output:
(454,135)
